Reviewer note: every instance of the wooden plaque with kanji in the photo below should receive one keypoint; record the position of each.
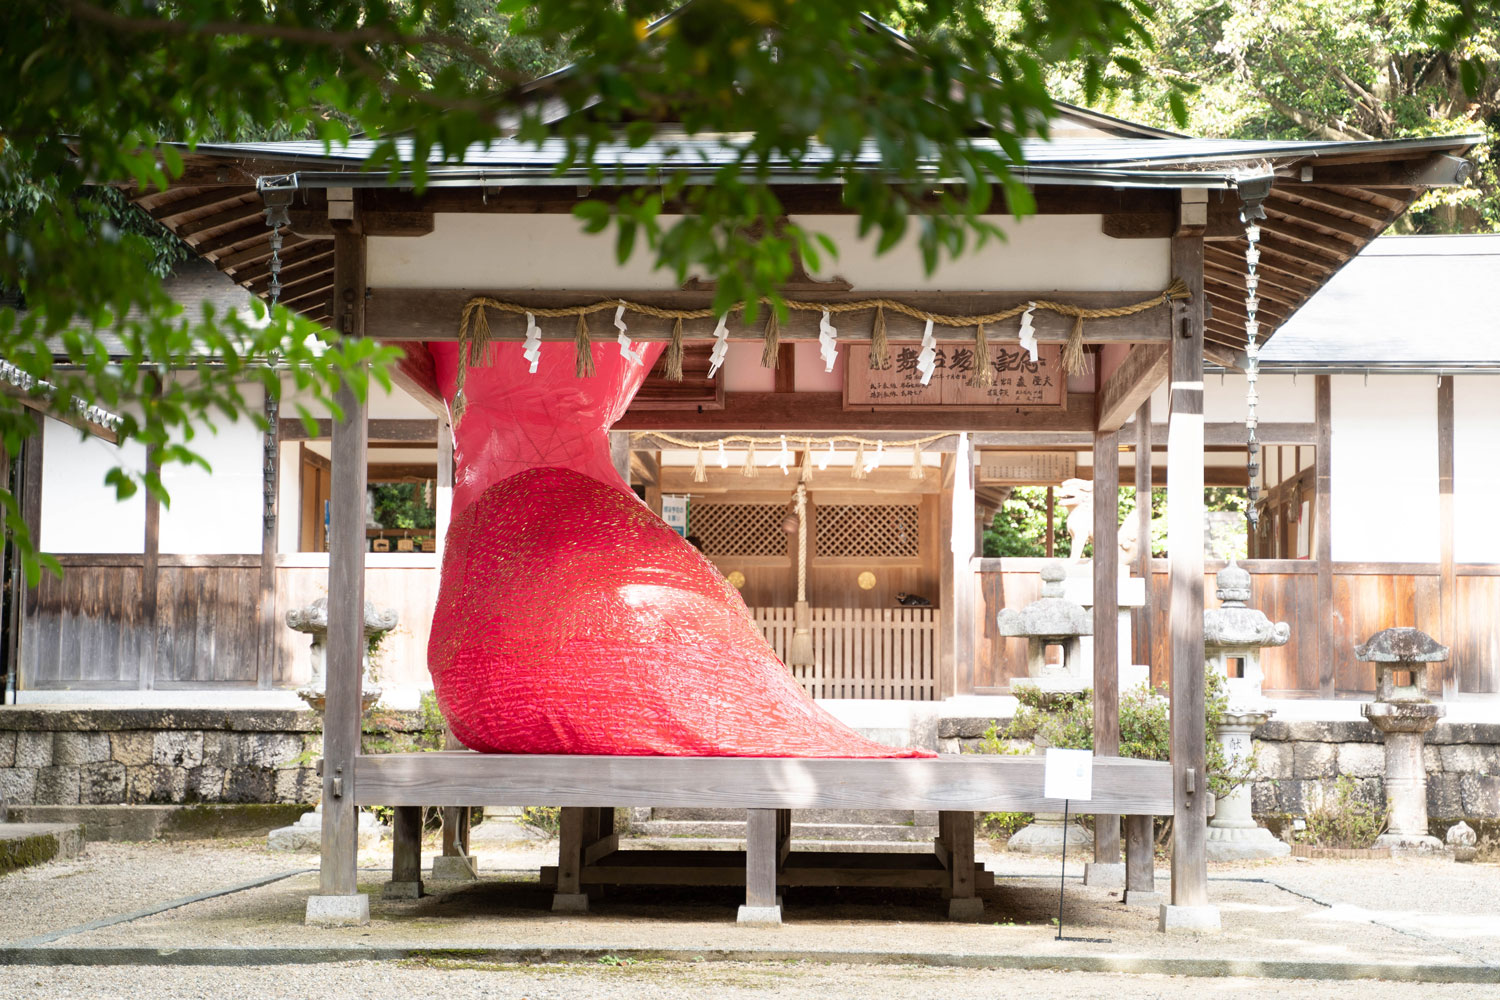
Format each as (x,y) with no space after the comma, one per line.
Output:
(1018,381)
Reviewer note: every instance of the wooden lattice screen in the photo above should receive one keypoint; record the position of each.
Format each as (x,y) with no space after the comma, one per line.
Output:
(740,529)
(868,531)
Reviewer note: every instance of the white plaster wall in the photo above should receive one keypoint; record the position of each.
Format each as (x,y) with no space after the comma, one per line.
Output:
(1476,468)
(79,512)
(217,512)
(1283,399)
(1042,253)
(1385,489)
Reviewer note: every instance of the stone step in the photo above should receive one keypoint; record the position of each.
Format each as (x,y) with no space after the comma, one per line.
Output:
(659,843)
(843,832)
(878,817)
(25,844)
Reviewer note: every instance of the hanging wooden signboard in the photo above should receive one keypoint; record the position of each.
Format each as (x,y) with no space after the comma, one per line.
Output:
(1026,468)
(1018,381)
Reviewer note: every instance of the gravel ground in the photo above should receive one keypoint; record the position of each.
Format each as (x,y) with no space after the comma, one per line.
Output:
(668,981)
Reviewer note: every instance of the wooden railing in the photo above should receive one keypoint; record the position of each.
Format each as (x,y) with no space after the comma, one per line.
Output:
(872,653)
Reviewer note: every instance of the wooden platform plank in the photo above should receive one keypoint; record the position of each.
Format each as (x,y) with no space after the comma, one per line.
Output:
(944,783)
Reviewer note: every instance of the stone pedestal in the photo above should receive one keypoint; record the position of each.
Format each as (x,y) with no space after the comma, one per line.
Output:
(338,911)
(455,868)
(1131,594)
(1233,834)
(306,835)
(1402,725)
(1045,835)
(1187,919)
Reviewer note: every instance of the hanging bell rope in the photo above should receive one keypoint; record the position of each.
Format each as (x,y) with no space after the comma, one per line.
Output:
(584,365)
(800,650)
(674,352)
(770,356)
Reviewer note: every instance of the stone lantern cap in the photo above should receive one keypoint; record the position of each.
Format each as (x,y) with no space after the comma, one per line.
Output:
(313,619)
(1051,616)
(1401,645)
(1234,624)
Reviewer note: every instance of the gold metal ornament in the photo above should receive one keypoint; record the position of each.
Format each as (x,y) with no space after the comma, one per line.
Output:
(736,580)
(866,580)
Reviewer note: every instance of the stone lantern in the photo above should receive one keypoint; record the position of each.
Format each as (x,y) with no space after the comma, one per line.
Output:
(1050,621)
(1233,636)
(306,835)
(1402,713)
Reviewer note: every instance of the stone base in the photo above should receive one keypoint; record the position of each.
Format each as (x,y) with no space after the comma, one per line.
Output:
(1152,899)
(966,908)
(759,916)
(1405,843)
(306,835)
(338,911)
(1187,919)
(1239,844)
(402,890)
(1045,836)
(570,902)
(1104,875)
(455,868)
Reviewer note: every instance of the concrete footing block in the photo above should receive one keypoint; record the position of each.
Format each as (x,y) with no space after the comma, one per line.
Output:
(338,911)
(570,902)
(455,868)
(966,908)
(1188,919)
(1152,900)
(1104,874)
(759,916)
(402,890)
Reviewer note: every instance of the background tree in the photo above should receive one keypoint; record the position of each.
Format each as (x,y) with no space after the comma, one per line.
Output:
(96,87)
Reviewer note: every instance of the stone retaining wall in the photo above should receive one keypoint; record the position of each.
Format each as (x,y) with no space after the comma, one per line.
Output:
(1300,761)
(137,756)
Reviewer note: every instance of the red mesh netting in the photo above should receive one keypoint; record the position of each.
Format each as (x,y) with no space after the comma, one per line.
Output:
(570,618)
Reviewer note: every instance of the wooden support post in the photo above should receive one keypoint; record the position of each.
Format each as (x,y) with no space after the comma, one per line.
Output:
(23,597)
(150,578)
(406,862)
(783,835)
(339,900)
(956,576)
(569,896)
(1446,679)
(762,906)
(1107,868)
(962,903)
(1141,632)
(1323,413)
(1190,907)
(1140,861)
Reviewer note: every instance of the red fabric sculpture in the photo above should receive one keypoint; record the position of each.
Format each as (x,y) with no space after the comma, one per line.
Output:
(570,618)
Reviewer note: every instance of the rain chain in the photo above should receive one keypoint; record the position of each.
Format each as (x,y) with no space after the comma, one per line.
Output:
(277,193)
(1252,367)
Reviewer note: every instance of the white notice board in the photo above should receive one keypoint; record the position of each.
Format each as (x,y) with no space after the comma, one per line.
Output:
(1069,774)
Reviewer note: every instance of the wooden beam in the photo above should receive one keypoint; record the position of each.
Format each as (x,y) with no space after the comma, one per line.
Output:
(1435,170)
(259,252)
(1377,216)
(413,431)
(315,224)
(1106,570)
(1185,614)
(949,782)
(1143,369)
(298,269)
(433,313)
(237,215)
(1323,527)
(346,594)
(193,203)
(1283,208)
(824,412)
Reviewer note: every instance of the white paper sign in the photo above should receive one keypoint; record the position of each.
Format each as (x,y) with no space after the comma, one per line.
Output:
(674,510)
(1069,774)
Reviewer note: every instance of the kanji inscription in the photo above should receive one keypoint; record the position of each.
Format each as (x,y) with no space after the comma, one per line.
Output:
(1018,381)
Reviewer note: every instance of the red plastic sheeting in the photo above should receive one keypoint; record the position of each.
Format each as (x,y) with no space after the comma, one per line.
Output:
(570,618)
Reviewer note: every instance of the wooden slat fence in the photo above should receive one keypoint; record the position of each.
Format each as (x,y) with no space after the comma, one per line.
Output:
(887,654)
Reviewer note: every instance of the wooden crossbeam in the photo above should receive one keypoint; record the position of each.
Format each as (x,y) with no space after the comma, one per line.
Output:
(1139,374)
(208,199)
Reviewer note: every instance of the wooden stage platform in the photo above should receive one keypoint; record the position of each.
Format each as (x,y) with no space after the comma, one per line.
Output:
(768,788)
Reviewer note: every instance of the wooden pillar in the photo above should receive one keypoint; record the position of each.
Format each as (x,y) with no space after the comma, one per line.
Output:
(23,596)
(1140,861)
(1106,569)
(1323,413)
(1141,632)
(150,578)
(268,626)
(962,903)
(1447,678)
(346,602)
(1185,551)
(956,610)
(761,903)
(406,861)
(569,896)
